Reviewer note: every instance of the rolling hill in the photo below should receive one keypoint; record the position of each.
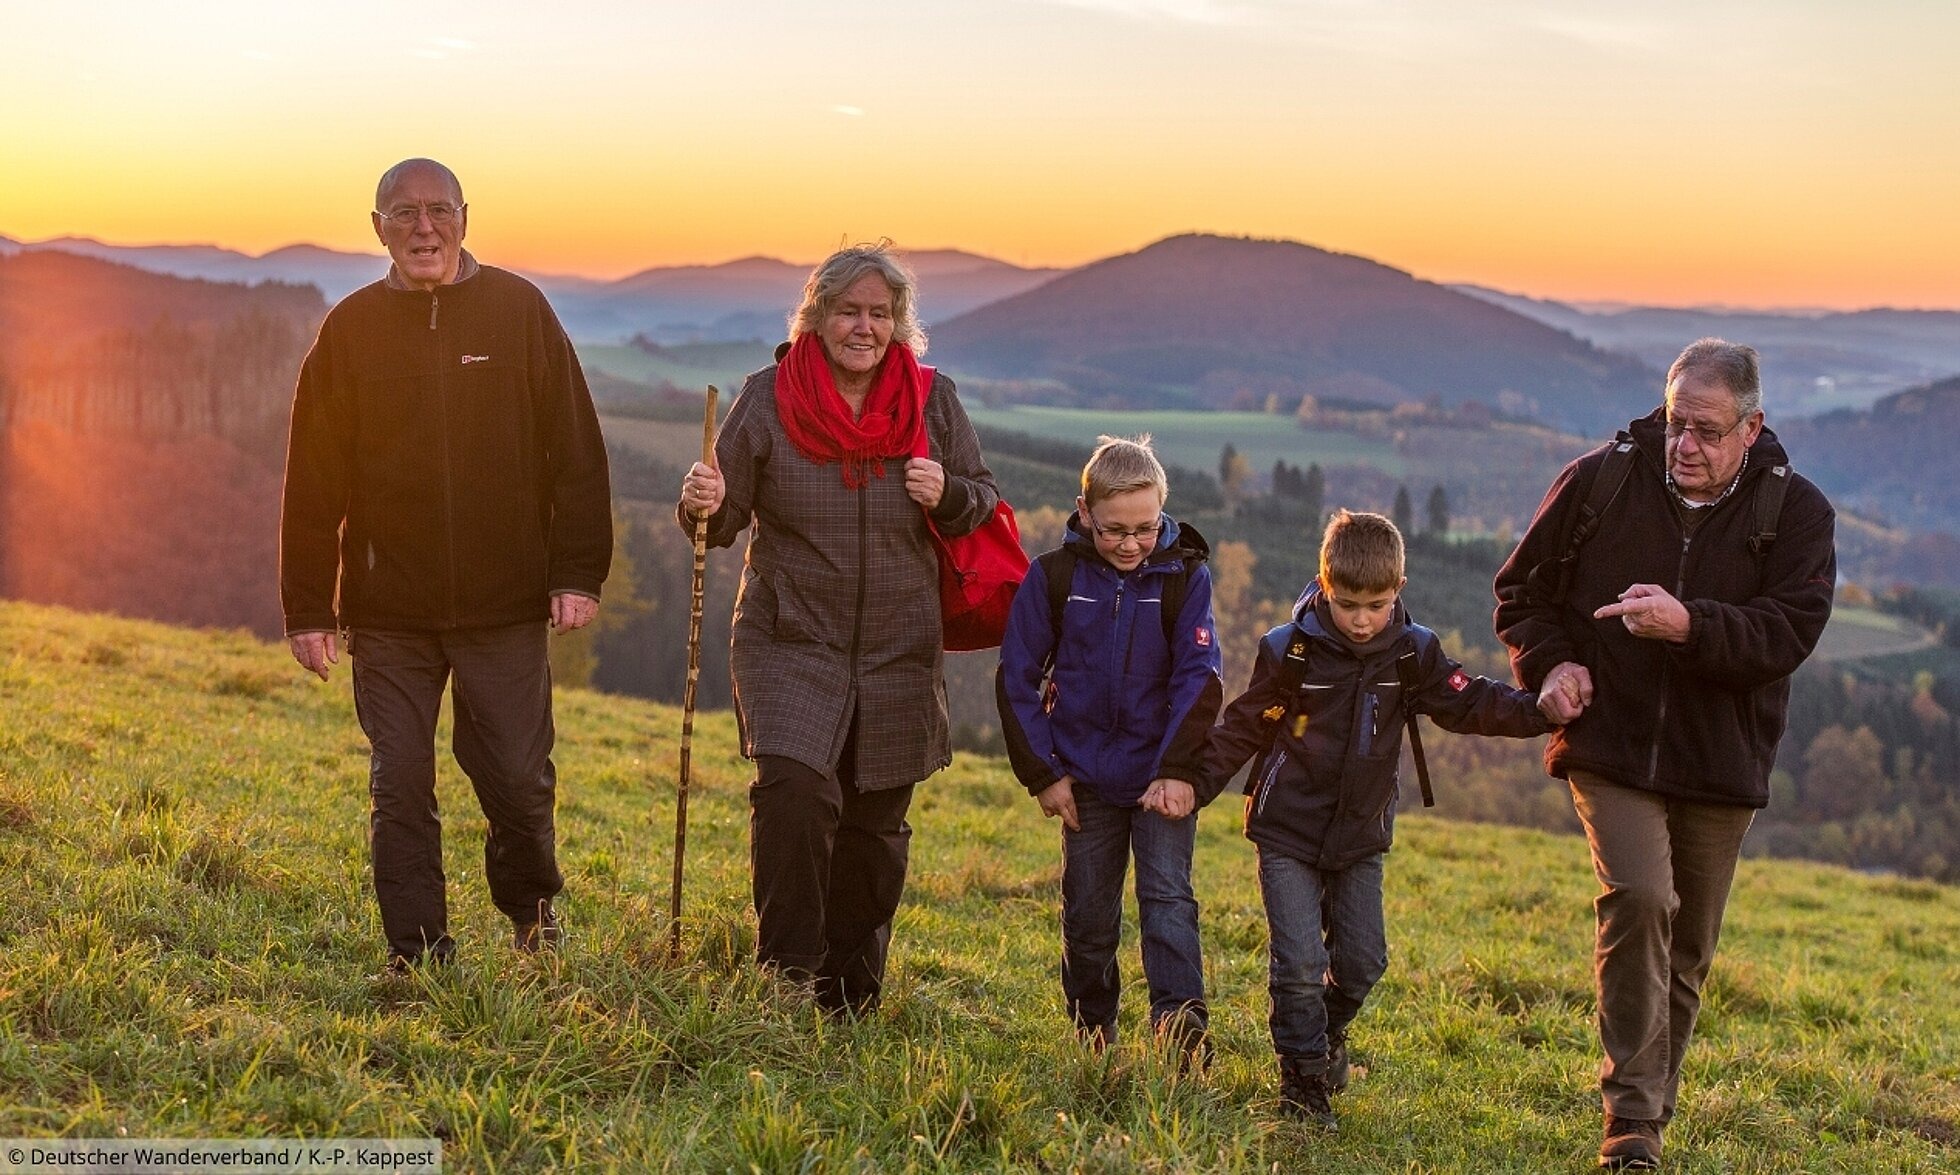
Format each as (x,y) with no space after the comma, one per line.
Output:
(191,952)
(1205,321)
(1812,362)
(736,300)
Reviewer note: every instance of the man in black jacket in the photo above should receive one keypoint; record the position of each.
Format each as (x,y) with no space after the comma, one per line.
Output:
(446,495)
(1675,629)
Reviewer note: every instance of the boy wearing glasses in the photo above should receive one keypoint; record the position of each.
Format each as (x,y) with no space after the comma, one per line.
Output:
(1324,711)
(1109,682)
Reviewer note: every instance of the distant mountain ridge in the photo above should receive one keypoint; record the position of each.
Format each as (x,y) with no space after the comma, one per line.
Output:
(1197,320)
(1813,361)
(749,297)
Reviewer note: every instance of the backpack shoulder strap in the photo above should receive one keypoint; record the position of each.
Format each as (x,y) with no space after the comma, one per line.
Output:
(1769,507)
(1058,573)
(1551,579)
(1177,586)
(1408,670)
(1608,480)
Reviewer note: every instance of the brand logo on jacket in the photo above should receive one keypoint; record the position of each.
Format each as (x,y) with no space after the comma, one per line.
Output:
(1459,680)
(469,359)
(1203,637)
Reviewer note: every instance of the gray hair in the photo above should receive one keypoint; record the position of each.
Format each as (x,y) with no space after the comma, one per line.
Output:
(840,271)
(399,171)
(1734,366)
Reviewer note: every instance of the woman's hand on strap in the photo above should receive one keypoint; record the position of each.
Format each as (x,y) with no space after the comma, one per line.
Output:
(925,481)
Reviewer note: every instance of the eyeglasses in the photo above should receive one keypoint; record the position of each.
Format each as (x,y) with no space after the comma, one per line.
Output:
(438,214)
(1705,435)
(1142,534)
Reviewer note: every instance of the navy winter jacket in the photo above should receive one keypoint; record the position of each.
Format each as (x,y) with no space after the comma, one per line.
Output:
(1323,790)
(1126,705)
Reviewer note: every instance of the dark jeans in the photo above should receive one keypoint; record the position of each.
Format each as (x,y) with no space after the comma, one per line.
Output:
(1329,947)
(503,739)
(828,863)
(1094,861)
(1664,867)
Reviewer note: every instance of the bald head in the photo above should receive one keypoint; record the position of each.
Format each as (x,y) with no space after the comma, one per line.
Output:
(395,176)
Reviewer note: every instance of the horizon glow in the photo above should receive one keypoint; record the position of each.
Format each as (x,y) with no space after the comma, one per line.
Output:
(1787,153)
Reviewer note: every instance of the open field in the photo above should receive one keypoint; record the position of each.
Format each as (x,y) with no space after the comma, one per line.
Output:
(191,950)
(1857,633)
(689,366)
(1194,439)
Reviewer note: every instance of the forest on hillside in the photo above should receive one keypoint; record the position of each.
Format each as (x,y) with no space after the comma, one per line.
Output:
(1868,774)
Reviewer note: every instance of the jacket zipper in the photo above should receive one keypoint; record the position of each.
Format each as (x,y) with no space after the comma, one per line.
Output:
(857,620)
(1667,663)
(448,474)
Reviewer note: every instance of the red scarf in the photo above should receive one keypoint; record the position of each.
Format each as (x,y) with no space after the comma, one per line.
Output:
(819,422)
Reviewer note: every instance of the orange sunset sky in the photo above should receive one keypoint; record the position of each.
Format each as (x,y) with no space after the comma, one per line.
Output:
(1770,152)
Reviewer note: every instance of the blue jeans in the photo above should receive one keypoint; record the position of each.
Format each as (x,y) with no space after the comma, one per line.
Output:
(1328,947)
(1094,861)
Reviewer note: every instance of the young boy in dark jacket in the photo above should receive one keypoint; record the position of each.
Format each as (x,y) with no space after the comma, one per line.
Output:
(1324,712)
(1109,682)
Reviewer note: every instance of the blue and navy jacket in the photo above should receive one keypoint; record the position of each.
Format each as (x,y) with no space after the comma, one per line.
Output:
(1324,786)
(1123,703)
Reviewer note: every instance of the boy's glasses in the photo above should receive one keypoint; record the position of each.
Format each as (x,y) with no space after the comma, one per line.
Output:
(1146,534)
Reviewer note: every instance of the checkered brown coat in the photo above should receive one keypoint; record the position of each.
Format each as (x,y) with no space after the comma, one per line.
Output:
(838,611)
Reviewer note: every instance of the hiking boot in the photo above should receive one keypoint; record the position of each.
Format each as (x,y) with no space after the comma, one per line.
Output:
(1337,1062)
(1304,1093)
(1631,1144)
(438,954)
(1185,1033)
(542,934)
(1095,1037)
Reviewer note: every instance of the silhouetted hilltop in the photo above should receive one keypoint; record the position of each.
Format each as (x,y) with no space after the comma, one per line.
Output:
(1205,320)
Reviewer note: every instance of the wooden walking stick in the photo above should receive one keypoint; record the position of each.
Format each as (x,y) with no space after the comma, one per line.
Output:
(693,679)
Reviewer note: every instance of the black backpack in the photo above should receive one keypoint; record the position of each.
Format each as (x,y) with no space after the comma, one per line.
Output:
(1551,579)
(1293,674)
(1058,566)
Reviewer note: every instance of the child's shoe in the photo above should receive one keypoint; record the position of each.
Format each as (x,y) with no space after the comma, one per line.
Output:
(1304,1093)
(1184,1032)
(1337,1062)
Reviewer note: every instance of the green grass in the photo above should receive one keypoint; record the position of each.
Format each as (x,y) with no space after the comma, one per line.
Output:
(1855,633)
(1194,439)
(191,949)
(689,366)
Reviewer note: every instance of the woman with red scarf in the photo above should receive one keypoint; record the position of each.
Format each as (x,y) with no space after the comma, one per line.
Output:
(836,646)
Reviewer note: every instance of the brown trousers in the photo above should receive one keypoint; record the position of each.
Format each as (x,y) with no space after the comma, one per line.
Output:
(1664,868)
(503,740)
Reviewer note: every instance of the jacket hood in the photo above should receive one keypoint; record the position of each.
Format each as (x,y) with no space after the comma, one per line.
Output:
(1309,618)
(1175,543)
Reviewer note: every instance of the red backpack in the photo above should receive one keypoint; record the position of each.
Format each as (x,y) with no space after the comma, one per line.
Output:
(978,572)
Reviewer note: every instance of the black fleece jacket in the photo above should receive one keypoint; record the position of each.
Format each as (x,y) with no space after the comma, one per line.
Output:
(1699,720)
(445,467)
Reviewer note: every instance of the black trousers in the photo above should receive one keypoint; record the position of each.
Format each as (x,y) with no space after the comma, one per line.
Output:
(828,863)
(503,741)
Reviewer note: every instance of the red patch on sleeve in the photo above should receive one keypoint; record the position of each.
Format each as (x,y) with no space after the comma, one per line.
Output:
(1459,680)
(1203,636)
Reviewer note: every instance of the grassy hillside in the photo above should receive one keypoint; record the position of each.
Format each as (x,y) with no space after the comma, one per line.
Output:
(191,950)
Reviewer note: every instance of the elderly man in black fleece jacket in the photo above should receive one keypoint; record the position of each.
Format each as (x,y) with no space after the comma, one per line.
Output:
(1677,636)
(446,495)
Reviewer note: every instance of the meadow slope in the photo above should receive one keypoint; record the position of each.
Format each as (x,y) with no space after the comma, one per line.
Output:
(190,949)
